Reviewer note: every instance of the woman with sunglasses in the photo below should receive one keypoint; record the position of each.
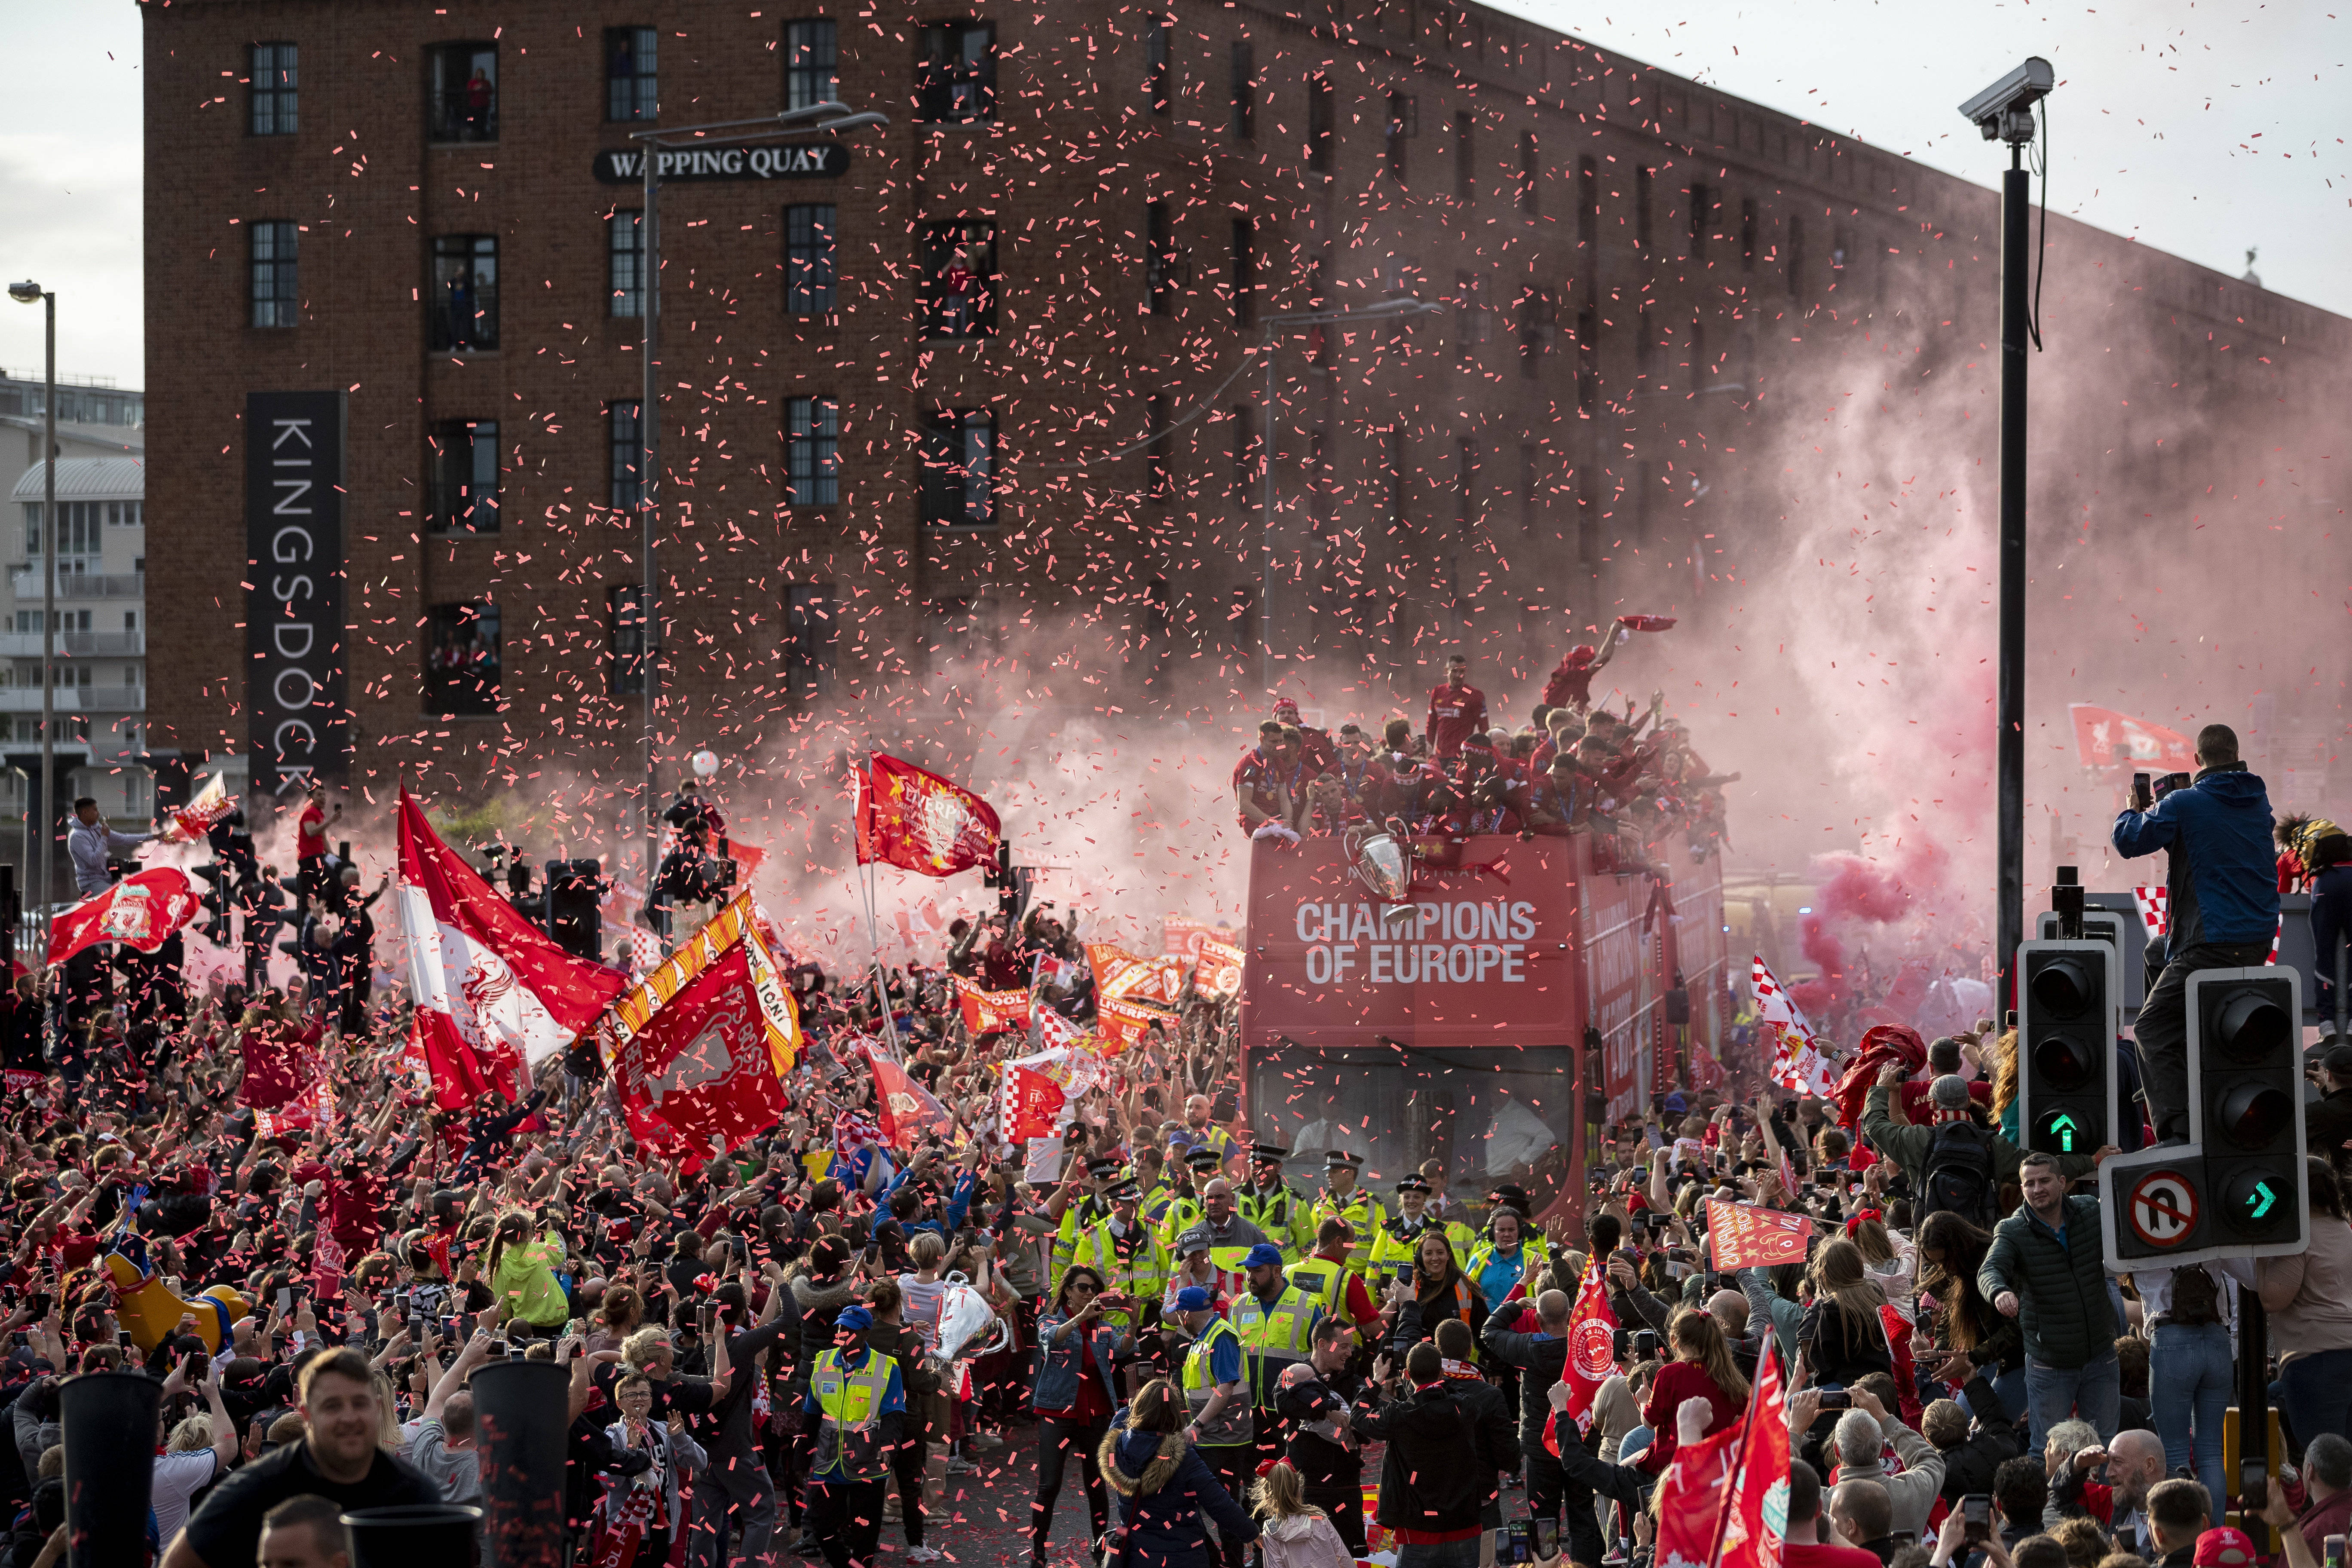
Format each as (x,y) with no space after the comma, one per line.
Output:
(1075,1398)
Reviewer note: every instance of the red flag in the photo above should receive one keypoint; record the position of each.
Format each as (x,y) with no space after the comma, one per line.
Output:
(1743,1235)
(907,1107)
(279,1064)
(697,1049)
(987,1011)
(1754,1524)
(1591,1344)
(494,993)
(1119,1025)
(911,817)
(1690,1499)
(1219,972)
(139,911)
(1034,1103)
(2107,739)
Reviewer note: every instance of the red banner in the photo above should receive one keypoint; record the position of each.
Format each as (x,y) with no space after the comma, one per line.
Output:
(1034,1103)
(139,911)
(1220,970)
(985,1011)
(912,818)
(1744,1237)
(1121,1026)
(1713,1499)
(2106,739)
(21,1080)
(1180,936)
(1121,976)
(699,1048)
(279,1063)
(907,1107)
(1474,961)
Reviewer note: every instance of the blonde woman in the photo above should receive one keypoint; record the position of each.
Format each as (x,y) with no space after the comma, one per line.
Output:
(1842,1336)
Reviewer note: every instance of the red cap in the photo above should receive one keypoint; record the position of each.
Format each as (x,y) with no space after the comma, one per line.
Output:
(2224,1548)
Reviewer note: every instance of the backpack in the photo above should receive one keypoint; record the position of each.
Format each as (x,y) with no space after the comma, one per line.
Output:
(1959,1178)
(2196,1298)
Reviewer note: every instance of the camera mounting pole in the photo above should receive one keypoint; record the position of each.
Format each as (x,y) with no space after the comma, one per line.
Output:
(2004,112)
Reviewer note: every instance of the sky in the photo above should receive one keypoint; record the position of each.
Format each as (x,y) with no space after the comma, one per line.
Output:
(2198,127)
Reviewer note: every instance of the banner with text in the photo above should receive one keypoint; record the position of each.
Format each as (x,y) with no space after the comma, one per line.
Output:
(297,655)
(1745,1236)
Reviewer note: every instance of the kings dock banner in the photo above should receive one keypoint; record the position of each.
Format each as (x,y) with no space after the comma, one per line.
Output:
(295,645)
(1484,954)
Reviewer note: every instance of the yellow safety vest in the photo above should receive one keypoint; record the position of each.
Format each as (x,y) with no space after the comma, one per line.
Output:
(1325,1283)
(1272,1337)
(1394,1247)
(849,1424)
(1364,1216)
(1144,1275)
(1184,1212)
(1235,1425)
(1282,1215)
(1075,1218)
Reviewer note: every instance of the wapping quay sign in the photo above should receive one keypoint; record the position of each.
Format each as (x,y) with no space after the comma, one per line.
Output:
(783,161)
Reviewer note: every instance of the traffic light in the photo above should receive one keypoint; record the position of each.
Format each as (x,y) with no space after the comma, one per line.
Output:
(2067,1026)
(2245,1073)
(575,892)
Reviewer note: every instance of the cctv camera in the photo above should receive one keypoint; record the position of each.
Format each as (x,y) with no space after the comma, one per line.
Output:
(1997,108)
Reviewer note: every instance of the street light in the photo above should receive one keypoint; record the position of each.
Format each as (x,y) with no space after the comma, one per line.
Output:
(1398,308)
(816,120)
(25,293)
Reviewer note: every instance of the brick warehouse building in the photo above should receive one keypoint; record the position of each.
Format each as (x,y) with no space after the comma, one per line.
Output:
(877,381)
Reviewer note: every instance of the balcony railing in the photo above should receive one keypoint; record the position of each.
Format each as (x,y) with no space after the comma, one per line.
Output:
(27,584)
(92,698)
(76,645)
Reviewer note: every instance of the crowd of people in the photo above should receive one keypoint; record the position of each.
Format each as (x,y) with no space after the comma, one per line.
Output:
(826,1336)
(1633,780)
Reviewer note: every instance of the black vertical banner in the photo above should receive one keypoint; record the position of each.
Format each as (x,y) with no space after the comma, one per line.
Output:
(296,643)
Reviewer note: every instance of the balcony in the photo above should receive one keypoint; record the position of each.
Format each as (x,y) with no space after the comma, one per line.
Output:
(76,645)
(76,698)
(25,583)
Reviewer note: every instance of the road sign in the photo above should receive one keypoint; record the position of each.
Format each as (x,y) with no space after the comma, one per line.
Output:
(2163,1209)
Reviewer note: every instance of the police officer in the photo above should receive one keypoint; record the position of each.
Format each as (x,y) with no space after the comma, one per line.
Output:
(1077,1208)
(1129,1257)
(1343,1199)
(1223,1428)
(1270,1204)
(1276,1320)
(1401,1237)
(1186,1208)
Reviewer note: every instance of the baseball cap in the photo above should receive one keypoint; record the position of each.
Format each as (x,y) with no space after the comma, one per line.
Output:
(853,1320)
(1192,1298)
(1264,1254)
(2338,1060)
(2225,1548)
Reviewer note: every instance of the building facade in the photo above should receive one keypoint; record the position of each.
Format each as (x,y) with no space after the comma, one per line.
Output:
(997,380)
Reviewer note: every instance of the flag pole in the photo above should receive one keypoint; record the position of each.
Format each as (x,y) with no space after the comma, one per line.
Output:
(874,935)
(1731,1477)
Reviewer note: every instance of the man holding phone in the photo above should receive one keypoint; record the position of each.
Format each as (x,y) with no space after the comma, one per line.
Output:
(2222,902)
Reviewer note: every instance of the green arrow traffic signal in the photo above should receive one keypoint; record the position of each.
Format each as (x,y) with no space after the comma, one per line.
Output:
(2064,1126)
(2263,1199)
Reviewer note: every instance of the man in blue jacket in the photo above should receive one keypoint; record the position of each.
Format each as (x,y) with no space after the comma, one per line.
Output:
(2221,884)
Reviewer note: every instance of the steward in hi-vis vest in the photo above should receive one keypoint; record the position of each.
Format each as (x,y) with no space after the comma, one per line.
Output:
(1272,1205)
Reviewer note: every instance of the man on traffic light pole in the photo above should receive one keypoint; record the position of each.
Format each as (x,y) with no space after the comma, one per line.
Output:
(2221,885)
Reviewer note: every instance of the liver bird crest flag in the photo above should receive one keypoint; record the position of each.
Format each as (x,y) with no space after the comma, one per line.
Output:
(912,818)
(495,996)
(697,1051)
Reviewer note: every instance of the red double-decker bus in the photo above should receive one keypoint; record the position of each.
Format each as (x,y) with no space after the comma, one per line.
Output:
(1470,1022)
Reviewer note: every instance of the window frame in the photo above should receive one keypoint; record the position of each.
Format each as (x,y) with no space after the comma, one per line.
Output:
(805,260)
(449,115)
(625,641)
(444,337)
(280,95)
(446,514)
(1242,119)
(442,694)
(624,295)
(1404,124)
(942,76)
(945,462)
(812,452)
(625,488)
(801,75)
(1159,257)
(1322,123)
(959,317)
(813,630)
(1242,269)
(275,305)
(1465,157)
(1159,42)
(633,99)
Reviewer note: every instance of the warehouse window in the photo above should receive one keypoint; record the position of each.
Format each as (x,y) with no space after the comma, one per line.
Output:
(808,260)
(624,455)
(463,493)
(812,628)
(812,64)
(956,83)
(273,85)
(1405,121)
(625,238)
(625,641)
(462,660)
(1244,90)
(466,292)
(1322,116)
(630,57)
(959,279)
(958,459)
(274,247)
(465,92)
(1159,257)
(1155,63)
(812,451)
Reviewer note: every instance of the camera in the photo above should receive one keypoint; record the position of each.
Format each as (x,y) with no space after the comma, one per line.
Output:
(1646,1344)
(2003,112)
(1975,1519)
(2170,781)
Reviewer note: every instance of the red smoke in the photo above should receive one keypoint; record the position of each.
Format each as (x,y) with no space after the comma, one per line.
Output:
(1852,892)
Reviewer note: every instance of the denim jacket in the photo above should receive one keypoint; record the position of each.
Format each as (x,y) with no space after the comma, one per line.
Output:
(1059,1360)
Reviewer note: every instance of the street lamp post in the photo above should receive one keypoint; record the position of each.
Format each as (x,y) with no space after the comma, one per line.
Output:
(818,120)
(1394,308)
(37,849)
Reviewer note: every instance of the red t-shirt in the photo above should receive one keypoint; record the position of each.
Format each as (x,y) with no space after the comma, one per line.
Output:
(1917,1111)
(1570,685)
(1678,1381)
(1455,713)
(1093,1408)
(1811,1554)
(310,833)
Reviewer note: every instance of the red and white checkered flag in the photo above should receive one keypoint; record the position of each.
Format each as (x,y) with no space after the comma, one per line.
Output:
(2156,915)
(1797,1059)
